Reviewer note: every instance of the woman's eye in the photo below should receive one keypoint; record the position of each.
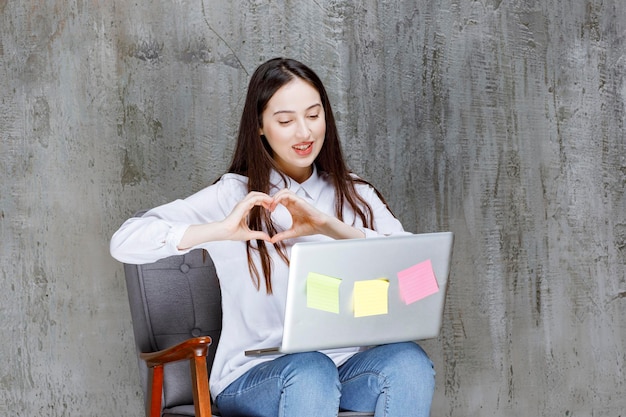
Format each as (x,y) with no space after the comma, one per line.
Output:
(284,122)
(314,116)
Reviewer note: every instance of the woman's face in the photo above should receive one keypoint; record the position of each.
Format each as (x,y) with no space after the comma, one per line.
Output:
(295,126)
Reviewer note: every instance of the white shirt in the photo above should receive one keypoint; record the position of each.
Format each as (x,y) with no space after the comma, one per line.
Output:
(252,319)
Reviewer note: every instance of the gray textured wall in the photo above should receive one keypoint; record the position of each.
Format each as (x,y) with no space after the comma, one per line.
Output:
(502,121)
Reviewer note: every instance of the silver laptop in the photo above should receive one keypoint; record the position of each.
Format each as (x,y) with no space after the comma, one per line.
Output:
(365,292)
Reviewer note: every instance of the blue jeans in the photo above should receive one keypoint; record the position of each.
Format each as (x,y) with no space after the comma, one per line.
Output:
(395,380)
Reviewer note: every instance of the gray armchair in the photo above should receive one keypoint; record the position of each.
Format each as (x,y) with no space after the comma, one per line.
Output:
(176,310)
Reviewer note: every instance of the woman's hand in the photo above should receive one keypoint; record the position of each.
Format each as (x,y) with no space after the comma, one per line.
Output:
(236,223)
(308,220)
(233,227)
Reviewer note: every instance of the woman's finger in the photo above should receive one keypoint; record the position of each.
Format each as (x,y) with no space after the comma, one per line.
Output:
(281,197)
(287,234)
(251,200)
(259,236)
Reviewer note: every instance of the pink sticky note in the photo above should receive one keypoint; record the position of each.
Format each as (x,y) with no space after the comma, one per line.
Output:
(417,282)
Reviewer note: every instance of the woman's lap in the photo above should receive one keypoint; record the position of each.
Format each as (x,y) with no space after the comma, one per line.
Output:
(392,380)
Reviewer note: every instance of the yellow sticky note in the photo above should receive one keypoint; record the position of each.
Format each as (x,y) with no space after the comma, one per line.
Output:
(370,297)
(322,292)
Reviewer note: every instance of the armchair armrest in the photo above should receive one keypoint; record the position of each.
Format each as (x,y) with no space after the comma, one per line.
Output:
(188,349)
(194,350)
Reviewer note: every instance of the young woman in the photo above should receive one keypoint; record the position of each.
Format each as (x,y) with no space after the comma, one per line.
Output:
(287,183)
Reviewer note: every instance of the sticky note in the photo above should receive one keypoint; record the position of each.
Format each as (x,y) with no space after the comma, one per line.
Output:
(371,297)
(322,292)
(417,282)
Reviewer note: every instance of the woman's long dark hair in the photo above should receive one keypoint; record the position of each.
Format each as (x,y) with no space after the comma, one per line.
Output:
(253,157)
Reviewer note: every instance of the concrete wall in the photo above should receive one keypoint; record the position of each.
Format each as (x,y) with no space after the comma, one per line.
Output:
(502,121)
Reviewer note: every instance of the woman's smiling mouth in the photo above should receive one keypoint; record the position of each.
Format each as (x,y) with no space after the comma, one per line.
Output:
(303,148)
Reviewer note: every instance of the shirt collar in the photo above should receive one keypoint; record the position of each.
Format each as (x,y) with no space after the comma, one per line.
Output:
(310,188)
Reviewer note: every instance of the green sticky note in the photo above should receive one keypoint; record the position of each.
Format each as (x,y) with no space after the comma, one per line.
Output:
(371,297)
(322,292)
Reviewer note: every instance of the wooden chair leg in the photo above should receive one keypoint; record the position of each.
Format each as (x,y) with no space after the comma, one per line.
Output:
(200,382)
(155,391)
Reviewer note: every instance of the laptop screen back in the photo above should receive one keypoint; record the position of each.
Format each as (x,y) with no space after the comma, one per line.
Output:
(363,292)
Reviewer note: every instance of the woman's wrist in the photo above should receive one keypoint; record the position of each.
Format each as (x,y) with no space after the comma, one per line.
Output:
(337,229)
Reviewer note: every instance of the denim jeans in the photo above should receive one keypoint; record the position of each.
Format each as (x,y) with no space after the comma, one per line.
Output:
(395,380)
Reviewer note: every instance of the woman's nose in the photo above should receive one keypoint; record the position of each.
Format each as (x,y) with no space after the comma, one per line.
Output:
(303,130)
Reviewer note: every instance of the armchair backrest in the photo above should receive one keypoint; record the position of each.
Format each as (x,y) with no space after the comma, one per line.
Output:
(172,300)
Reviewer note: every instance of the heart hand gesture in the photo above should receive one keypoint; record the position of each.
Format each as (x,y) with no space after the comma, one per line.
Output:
(306,220)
